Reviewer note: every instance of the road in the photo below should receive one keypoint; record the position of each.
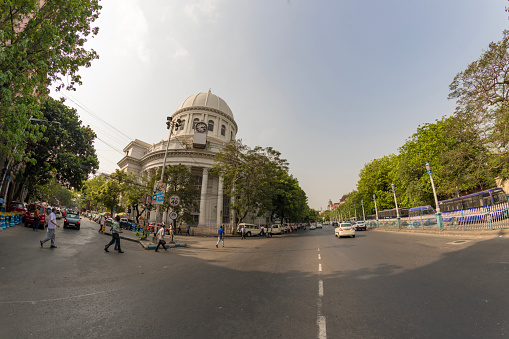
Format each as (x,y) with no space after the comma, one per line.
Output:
(308,284)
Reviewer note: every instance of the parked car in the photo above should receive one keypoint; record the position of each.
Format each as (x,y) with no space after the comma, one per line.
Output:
(17,206)
(312,227)
(125,223)
(159,225)
(58,214)
(360,226)
(43,215)
(345,229)
(319,225)
(72,220)
(251,229)
(277,229)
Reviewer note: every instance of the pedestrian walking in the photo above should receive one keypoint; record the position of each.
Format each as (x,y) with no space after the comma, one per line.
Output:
(115,236)
(188,229)
(101,222)
(243,232)
(37,219)
(220,235)
(50,233)
(161,241)
(261,231)
(180,231)
(172,231)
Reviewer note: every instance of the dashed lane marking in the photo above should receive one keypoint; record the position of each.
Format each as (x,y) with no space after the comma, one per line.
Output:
(319,257)
(320,288)
(319,267)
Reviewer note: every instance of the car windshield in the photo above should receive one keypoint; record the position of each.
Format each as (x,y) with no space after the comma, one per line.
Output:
(17,205)
(72,216)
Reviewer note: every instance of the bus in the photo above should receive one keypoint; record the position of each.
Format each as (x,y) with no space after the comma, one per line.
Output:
(391,213)
(475,207)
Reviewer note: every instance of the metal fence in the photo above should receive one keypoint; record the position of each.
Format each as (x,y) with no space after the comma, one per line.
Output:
(481,218)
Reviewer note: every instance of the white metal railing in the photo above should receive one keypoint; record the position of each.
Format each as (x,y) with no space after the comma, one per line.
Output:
(480,218)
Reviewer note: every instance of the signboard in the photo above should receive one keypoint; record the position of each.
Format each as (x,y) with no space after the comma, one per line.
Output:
(173,215)
(158,194)
(174,200)
(146,200)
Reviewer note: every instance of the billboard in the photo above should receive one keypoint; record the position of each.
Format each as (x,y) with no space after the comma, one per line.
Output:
(158,194)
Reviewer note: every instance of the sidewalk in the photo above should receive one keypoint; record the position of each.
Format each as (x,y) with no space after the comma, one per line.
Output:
(477,233)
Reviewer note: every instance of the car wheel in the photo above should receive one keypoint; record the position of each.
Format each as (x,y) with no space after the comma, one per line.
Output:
(248,234)
(78,228)
(353,236)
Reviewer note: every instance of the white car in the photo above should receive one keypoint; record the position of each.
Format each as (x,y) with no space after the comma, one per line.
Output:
(251,230)
(319,225)
(345,229)
(312,227)
(277,229)
(58,214)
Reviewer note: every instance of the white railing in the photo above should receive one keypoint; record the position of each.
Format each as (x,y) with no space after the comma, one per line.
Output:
(480,218)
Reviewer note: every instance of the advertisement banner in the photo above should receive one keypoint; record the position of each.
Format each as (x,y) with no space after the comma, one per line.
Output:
(158,195)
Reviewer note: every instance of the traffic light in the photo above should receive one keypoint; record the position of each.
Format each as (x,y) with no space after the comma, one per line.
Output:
(129,209)
(168,122)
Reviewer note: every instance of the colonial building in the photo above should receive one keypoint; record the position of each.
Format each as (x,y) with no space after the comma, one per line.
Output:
(207,125)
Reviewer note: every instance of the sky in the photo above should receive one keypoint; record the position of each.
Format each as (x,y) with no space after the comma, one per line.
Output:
(331,84)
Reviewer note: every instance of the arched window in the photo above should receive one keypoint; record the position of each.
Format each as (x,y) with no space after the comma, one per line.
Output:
(231,135)
(223,130)
(195,121)
(182,124)
(211,125)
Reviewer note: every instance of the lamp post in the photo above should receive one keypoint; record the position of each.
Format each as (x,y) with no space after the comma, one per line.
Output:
(396,202)
(363,214)
(376,211)
(169,124)
(349,216)
(355,209)
(438,213)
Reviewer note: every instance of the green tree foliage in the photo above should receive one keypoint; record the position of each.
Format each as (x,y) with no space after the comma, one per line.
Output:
(109,193)
(258,182)
(89,195)
(40,45)
(66,151)
(180,181)
(482,97)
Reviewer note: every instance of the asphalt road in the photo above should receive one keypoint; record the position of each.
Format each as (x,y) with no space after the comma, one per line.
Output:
(308,284)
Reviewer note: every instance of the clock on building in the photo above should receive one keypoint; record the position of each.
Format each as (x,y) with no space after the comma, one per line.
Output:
(201,127)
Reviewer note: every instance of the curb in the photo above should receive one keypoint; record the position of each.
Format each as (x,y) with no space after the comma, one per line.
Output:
(477,233)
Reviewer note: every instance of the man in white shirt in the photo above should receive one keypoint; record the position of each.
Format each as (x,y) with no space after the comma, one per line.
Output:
(50,233)
(160,237)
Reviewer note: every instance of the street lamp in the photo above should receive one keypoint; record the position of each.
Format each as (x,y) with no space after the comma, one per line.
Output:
(363,214)
(438,213)
(396,202)
(355,208)
(376,211)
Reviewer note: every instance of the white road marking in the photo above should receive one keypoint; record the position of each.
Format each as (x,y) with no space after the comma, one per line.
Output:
(45,300)
(320,288)
(318,249)
(320,319)
(322,328)
(319,257)
(319,267)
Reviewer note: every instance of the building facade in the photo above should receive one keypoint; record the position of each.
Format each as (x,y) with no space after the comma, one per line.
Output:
(207,125)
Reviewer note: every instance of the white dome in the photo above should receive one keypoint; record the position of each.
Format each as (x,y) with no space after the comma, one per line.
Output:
(207,100)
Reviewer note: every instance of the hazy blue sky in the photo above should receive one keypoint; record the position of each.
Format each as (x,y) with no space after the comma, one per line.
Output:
(332,85)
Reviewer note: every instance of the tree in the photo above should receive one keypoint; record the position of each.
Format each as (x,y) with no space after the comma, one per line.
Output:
(109,192)
(66,151)
(89,197)
(250,177)
(41,44)
(482,97)
(289,201)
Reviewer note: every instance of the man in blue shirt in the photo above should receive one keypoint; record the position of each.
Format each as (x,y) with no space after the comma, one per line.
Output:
(220,234)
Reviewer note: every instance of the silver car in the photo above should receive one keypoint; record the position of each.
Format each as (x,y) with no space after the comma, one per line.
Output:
(345,229)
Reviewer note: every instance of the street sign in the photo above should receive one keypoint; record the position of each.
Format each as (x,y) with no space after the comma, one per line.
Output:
(173,215)
(174,200)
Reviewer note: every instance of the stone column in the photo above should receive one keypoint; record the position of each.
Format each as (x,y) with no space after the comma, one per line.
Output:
(203,197)
(220,201)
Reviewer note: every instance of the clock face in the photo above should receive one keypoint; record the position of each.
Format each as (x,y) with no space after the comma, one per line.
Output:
(201,127)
